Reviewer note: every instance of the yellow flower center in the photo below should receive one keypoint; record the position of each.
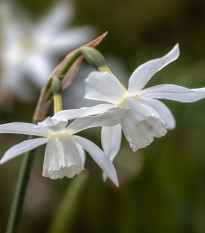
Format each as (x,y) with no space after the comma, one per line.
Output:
(122,101)
(58,134)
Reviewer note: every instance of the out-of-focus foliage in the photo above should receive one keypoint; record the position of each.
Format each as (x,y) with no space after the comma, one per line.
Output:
(162,187)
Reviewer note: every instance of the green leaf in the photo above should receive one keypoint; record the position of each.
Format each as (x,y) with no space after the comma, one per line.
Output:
(67,210)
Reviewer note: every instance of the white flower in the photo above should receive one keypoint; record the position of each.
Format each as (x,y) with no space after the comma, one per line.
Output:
(29,50)
(75,93)
(148,117)
(64,154)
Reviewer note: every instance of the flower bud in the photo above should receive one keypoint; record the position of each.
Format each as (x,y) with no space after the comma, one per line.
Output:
(94,58)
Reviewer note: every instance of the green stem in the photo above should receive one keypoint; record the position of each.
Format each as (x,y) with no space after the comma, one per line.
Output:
(57,103)
(18,200)
(62,73)
(68,208)
(69,64)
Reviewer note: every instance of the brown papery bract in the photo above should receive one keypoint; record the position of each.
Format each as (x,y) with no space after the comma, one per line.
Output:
(43,105)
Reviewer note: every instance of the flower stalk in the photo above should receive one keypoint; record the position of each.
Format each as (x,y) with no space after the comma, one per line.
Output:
(56,87)
(57,103)
(19,195)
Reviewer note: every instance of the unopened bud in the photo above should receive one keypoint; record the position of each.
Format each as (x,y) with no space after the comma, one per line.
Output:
(93,57)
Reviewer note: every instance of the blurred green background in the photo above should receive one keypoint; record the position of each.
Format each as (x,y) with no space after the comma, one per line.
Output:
(162,187)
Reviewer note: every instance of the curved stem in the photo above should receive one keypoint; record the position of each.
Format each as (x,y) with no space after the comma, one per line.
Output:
(69,64)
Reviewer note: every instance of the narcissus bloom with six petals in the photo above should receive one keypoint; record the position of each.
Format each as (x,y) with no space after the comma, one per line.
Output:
(148,117)
(64,154)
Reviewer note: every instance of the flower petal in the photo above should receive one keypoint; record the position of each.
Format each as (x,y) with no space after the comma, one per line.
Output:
(62,158)
(144,72)
(111,142)
(141,134)
(163,111)
(70,39)
(53,124)
(104,86)
(82,153)
(24,128)
(82,112)
(57,17)
(174,92)
(140,109)
(98,155)
(38,66)
(22,147)
(111,117)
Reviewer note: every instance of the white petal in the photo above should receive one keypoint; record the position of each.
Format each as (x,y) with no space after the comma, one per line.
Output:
(144,72)
(141,134)
(15,83)
(82,153)
(24,128)
(56,18)
(70,39)
(112,116)
(174,92)
(111,142)
(22,147)
(104,86)
(53,124)
(140,109)
(62,158)
(98,155)
(82,112)
(163,111)
(38,66)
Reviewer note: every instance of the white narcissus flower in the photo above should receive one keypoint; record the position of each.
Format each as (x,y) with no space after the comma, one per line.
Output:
(148,117)
(64,154)
(29,50)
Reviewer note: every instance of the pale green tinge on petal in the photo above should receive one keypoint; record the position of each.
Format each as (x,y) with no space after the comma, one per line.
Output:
(174,92)
(144,72)
(111,142)
(62,158)
(100,158)
(22,147)
(104,86)
(82,112)
(24,128)
(111,117)
(163,111)
(141,134)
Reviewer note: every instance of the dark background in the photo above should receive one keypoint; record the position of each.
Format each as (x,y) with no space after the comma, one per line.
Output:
(162,187)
